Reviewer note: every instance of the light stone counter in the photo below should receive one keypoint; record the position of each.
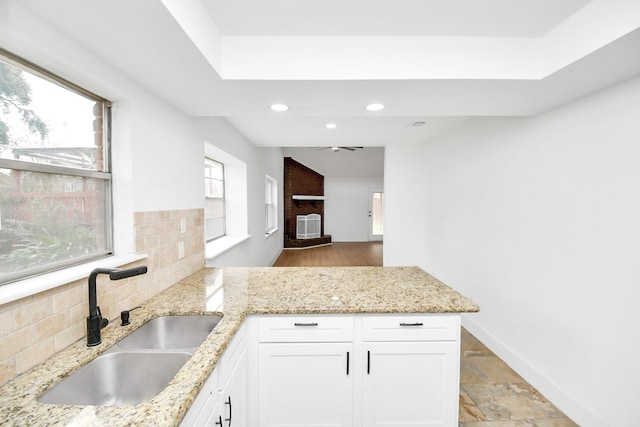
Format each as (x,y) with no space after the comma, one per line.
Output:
(236,293)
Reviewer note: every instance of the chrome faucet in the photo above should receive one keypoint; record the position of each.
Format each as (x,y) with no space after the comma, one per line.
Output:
(95,321)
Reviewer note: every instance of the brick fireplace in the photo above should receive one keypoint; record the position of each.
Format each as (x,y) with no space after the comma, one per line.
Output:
(303,195)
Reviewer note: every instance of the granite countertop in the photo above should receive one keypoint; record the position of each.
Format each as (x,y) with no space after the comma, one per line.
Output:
(235,293)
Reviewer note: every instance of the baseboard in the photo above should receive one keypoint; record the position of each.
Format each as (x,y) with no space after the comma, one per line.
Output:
(301,248)
(273,260)
(558,396)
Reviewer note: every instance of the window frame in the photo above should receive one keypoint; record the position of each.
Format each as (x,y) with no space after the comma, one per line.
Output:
(270,204)
(105,175)
(223,198)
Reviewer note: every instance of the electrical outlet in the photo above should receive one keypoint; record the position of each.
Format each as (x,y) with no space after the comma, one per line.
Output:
(183,225)
(180,250)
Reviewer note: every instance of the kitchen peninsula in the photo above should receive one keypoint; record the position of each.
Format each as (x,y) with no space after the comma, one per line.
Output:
(367,294)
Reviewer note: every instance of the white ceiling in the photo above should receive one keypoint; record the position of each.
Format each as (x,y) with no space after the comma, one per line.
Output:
(495,18)
(440,62)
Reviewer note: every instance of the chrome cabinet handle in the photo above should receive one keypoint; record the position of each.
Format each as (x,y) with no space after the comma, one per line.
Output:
(306,324)
(412,324)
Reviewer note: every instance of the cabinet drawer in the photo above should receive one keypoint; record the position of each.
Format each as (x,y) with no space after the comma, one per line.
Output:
(294,328)
(420,327)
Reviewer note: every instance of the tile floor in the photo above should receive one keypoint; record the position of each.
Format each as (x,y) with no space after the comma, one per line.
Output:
(494,395)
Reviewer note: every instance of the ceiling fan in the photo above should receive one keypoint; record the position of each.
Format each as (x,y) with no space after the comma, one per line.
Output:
(336,148)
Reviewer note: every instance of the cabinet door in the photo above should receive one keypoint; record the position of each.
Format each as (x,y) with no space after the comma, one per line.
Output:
(410,384)
(305,384)
(214,419)
(205,405)
(234,396)
(210,416)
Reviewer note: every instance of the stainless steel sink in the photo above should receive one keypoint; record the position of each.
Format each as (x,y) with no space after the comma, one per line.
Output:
(171,332)
(117,379)
(138,367)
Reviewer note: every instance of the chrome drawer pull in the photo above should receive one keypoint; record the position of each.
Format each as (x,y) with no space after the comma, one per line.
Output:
(411,324)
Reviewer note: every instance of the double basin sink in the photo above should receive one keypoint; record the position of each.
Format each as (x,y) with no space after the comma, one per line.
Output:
(138,367)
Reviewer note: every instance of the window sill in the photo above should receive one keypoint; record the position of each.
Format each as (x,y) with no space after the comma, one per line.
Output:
(33,285)
(270,232)
(223,244)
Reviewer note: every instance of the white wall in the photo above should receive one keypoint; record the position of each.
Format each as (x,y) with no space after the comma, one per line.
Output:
(346,207)
(165,152)
(258,250)
(537,220)
(404,201)
(367,162)
(273,165)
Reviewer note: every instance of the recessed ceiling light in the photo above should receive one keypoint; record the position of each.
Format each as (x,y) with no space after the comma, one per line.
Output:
(375,107)
(335,148)
(331,125)
(279,107)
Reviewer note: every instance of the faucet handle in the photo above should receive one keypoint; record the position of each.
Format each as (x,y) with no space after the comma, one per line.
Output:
(124,316)
(103,322)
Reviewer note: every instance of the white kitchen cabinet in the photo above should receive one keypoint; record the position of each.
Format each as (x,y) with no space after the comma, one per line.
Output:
(360,370)
(336,371)
(211,418)
(234,395)
(222,402)
(233,381)
(204,410)
(410,384)
(315,328)
(305,384)
(412,371)
(303,379)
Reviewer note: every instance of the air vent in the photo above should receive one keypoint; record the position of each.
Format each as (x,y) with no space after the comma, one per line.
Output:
(415,124)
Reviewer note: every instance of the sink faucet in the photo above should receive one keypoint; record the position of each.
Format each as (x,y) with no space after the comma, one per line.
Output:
(95,322)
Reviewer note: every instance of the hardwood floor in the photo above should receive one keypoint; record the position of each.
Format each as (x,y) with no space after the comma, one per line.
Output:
(334,255)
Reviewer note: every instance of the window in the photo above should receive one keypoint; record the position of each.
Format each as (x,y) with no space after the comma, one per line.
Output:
(235,207)
(270,204)
(55,178)
(214,210)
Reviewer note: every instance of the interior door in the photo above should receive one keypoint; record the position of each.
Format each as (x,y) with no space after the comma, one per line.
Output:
(376,214)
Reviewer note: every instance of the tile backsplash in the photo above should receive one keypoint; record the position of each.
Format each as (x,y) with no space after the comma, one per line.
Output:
(34,328)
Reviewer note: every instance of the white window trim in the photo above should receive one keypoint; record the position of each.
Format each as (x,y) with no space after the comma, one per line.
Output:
(274,195)
(123,225)
(44,282)
(237,224)
(223,198)
(221,245)
(123,240)
(271,232)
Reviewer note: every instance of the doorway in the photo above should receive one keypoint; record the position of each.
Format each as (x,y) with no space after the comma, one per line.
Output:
(376,214)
